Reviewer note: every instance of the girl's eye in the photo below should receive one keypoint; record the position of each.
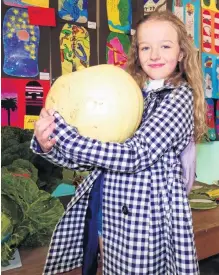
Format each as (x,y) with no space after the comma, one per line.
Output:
(145,48)
(166,47)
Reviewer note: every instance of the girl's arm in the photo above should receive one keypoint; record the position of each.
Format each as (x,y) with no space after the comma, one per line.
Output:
(170,124)
(57,157)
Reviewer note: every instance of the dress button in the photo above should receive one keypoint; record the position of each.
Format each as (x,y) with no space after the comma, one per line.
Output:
(125,210)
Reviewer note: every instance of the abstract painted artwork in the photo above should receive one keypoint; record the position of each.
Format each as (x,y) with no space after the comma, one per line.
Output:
(74,48)
(25,3)
(119,14)
(21,101)
(73,10)
(9,101)
(117,49)
(33,98)
(21,42)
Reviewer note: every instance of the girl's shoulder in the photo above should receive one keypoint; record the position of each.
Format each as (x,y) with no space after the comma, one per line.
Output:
(181,85)
(179,88)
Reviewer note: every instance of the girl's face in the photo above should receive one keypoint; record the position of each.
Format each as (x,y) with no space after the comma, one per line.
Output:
(159,50)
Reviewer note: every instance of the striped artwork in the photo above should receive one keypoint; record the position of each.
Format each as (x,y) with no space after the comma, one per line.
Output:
(33,98)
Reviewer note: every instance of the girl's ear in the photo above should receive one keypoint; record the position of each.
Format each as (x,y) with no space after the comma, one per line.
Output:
(180,56)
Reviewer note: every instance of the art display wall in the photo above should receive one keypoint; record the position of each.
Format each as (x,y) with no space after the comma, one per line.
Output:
(42,40)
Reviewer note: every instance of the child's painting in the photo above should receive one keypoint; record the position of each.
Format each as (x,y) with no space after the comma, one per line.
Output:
(26,3)
(210,67)
(117,48)
(152,5)
(211,118)
(33,98)
(74,48)
(210,4)
(22,101)
(20,42)
(208,74)
(217,119)
(73,10)
(119,14)
(210,31)
(9,106)
(188,11)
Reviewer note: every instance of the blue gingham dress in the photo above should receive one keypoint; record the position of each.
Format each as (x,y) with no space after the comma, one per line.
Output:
(147,222)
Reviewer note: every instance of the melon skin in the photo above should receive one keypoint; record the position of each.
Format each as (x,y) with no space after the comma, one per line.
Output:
(103,102)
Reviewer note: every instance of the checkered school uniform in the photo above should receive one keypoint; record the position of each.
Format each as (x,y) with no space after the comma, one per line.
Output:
(147,222)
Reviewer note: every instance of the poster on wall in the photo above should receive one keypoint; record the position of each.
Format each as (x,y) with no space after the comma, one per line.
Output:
(26,3)
(22,100)
(117,48)
(74,39)
(73,11)
(188,11)
(210,68)
(21,43)
(213,118)
(117,24)
(119,15)
(152,5)
(210,31)
(25,47)
(74,44)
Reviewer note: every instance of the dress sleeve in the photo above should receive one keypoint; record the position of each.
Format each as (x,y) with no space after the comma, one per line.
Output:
(57,157)
(171,122)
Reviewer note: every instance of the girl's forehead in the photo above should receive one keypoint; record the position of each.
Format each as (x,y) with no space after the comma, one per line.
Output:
(155,30)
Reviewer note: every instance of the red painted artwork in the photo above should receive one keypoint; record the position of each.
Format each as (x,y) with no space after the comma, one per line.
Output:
(14,99)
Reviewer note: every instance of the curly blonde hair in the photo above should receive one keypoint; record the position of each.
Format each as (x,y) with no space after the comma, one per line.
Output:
(188,69)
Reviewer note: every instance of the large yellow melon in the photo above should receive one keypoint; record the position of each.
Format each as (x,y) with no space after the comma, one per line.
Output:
(104,102)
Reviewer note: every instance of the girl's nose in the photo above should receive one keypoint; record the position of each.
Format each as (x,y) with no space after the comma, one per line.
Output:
(155,54)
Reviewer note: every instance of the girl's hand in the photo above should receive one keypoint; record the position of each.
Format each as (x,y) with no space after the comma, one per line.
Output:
(43,128)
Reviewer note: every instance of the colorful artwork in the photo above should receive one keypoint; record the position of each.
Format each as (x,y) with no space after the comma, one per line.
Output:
(26,3)
(9,101)
(189,20)
(208,87)
(73,10)
(119,14)
(210,67)
(21,42)
(33,98)
(217,119)
(210,31)
(211,119)
(188,11)
(152,5)
(117,48)
(178,9)
(22,100)
(74,48)
(217,75)
(216,32)
(209,4)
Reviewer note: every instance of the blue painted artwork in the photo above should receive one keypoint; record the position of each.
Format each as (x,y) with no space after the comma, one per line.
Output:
(210,67)
(21,42)
(15,3)
(73,10)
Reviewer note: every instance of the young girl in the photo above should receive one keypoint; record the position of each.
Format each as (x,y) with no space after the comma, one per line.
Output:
(146,224)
